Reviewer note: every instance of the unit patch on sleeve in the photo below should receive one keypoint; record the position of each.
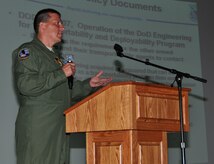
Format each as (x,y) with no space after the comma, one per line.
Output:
(24,53)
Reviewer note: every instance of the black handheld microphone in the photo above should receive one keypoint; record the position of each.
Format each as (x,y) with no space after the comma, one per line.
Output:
(119,50)
(70,78)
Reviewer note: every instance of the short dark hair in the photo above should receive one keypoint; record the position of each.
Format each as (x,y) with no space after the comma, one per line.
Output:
(43,16)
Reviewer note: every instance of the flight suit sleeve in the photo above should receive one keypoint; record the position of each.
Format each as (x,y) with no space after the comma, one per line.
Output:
(30,80)
(80,90)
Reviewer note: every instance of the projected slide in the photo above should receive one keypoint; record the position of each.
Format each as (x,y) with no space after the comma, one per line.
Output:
(163,32)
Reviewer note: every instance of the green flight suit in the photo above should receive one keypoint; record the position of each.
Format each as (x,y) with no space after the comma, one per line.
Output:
(43,96)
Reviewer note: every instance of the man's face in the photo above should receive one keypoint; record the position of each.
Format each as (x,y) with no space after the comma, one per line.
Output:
(54,28)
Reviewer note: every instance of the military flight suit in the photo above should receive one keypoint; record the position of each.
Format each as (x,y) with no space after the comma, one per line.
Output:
(44,95)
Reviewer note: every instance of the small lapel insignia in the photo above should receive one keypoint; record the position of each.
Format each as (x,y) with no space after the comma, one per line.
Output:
(58,61)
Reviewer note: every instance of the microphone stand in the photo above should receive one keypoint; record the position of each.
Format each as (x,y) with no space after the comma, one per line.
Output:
(178,79)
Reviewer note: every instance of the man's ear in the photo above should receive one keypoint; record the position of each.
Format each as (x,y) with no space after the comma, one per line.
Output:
(42,26)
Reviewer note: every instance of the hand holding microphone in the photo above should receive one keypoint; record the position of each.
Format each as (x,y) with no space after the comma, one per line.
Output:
(69,69)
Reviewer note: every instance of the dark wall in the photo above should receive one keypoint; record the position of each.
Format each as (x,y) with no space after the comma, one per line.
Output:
(206,33)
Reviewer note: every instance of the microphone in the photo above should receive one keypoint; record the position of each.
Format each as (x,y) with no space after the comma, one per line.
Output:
(119,50)
(70,59)
(119,66)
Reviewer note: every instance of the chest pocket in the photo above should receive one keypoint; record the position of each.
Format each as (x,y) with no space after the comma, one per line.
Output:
(49,60)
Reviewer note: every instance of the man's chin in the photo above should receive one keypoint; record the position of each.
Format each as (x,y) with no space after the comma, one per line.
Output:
(59,40)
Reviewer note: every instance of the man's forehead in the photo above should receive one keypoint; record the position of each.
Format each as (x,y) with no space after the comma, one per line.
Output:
(54,15)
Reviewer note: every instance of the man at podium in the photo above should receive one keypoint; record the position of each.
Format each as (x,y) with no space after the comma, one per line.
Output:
(41,80)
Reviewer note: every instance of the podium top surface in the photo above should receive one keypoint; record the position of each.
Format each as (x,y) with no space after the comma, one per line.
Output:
(129,105)
(122,84)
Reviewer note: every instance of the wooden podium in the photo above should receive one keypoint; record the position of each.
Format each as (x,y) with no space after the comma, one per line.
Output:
(127,122)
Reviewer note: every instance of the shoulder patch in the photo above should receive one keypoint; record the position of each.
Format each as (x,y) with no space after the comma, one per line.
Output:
(24,53)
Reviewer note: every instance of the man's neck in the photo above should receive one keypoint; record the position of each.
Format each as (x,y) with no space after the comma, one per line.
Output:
(45,41)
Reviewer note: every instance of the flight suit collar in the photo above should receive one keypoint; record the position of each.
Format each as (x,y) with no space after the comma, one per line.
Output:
(50,54)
